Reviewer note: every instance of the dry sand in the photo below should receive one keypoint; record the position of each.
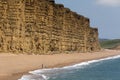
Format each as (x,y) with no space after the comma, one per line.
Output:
(12,67)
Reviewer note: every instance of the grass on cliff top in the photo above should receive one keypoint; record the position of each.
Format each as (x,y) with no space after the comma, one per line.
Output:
(109,44)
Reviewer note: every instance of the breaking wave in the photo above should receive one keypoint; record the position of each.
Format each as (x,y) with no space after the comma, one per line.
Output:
(45,74)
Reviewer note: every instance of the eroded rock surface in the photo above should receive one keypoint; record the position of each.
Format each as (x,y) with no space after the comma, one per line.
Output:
(42,26)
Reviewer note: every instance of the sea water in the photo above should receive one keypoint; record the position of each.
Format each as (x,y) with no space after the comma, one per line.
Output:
(102,69)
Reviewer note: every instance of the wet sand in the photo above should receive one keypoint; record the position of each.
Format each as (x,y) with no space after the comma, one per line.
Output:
(12,66)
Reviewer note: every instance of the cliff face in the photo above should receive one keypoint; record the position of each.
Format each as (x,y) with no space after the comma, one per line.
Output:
(41,26)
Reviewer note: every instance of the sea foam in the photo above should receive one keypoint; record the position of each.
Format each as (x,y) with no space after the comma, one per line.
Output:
(41,74)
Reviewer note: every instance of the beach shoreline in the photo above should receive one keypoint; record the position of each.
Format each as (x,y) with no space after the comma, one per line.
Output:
(12,66)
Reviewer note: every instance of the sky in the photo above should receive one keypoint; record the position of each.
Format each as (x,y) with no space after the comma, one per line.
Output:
(103,14)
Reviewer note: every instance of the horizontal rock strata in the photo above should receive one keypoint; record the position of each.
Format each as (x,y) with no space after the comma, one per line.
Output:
(42,27)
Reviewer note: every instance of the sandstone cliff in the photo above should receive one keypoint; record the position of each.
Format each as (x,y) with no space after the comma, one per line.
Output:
(42,26)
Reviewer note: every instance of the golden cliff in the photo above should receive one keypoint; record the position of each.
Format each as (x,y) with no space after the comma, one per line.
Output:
(43,27)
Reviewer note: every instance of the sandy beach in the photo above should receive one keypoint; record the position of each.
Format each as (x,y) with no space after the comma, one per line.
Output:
(12,66)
